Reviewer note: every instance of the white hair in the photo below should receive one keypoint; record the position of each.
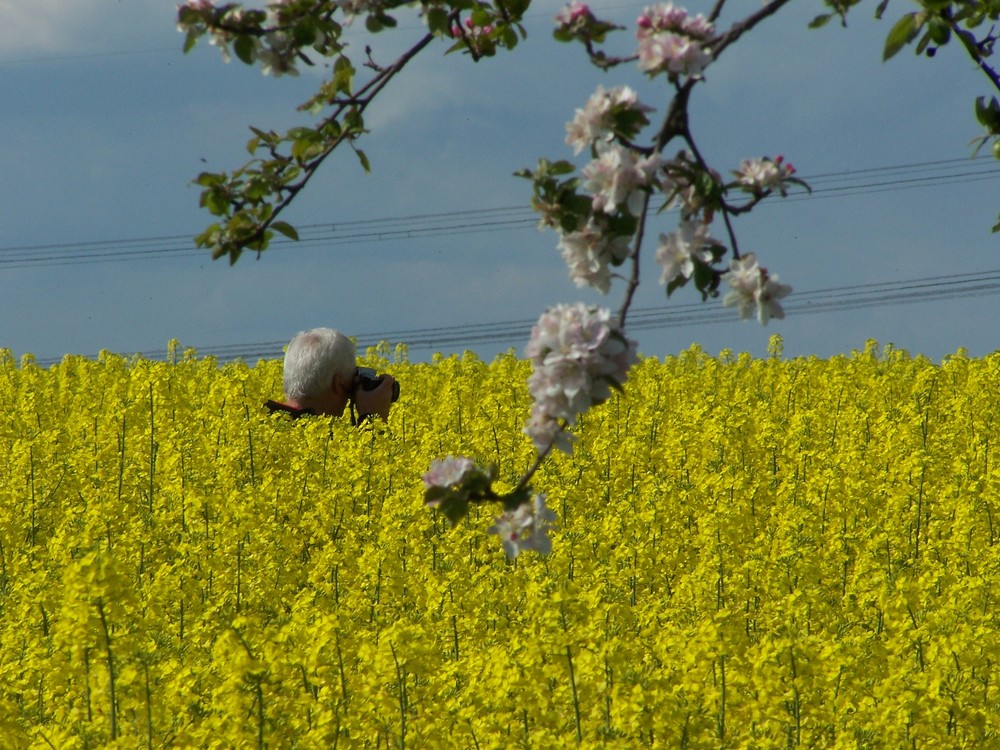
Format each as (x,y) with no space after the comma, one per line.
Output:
(313,358)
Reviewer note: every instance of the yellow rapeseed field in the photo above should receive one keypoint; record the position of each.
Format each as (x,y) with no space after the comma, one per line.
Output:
(750,553)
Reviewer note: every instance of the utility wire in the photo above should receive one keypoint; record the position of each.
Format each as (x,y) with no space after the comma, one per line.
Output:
(516,332)
(473,221)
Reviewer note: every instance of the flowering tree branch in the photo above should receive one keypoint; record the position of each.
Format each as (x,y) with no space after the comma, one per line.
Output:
(250,200)
(933,26)
(602,213)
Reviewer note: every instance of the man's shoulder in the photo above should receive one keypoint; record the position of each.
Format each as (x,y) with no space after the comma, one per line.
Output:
(276,407)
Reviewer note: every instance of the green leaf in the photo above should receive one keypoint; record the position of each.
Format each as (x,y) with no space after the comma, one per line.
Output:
(245,49)
(937,6)
(678,281)
(304,148)
(904,32)
(517,8)
(435,495)
(210,179)
(216,201)
(455,507)
(561,167)
(304,32)
(437,22)
(363,158)
(209,237)
(266,136)
(256,188)
(705,279)
(988,114)
(343,75)
(286,229)
(939,31)
(354,122)
(820,21)
(289,174)
(481,17)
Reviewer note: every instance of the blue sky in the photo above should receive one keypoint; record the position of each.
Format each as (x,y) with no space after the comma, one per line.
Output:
(106,123)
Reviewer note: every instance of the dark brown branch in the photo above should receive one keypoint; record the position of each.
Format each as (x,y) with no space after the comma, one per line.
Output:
(975,50)
(739,29)
(362,98)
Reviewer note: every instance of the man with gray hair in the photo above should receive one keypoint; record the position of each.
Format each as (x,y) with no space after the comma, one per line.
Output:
(321,377)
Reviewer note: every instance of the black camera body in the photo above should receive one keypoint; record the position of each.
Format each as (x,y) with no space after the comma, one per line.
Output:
(369,380)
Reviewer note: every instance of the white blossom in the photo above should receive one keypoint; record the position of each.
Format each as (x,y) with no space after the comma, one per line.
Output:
(618,176)
(757,176)
(448,472)
(576,353)
(525,528)
(754,290)
(278,55)
(672,41)
(679,250)
(594,122)
(590,251)
(572,13)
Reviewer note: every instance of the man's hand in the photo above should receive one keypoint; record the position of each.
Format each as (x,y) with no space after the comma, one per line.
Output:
(377,401)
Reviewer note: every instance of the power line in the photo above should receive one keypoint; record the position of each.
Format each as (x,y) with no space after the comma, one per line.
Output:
(815,302)
(472,221)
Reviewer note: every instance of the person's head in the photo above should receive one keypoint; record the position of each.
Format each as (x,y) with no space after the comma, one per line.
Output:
(319,370)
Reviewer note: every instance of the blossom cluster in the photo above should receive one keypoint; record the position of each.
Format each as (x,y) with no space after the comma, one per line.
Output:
(573,14)
(592,234)
(256,36)
(452,482)
(672,41)
(525,527)
(680,250)
(578,354)
(600,118)
(471,30)
(274,37)
(622,176)
(449,472)
(753,290)
(759,176)
(590,251)
(619,177)
(478,39)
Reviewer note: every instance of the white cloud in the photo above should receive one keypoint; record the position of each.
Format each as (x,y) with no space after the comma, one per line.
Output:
(33,28)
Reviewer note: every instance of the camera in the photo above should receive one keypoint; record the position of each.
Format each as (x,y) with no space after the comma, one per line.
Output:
(369,380)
